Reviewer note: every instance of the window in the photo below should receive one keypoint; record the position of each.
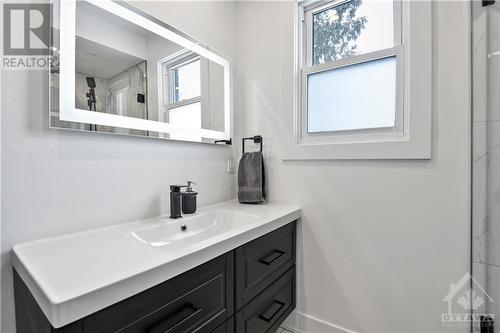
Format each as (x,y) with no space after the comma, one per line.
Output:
(181,92)
(349,28)
(185,80)
(353,92)
(350,77)
(360,96)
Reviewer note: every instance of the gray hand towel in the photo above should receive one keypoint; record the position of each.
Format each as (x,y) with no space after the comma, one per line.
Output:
(251,178)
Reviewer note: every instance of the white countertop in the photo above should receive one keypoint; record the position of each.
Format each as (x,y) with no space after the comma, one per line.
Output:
(75,275)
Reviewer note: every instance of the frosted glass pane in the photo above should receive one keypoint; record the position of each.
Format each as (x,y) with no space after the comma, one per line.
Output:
(188,116)
(351,28)
(360,96)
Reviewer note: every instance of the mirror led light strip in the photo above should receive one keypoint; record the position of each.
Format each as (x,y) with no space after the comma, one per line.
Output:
(68,112)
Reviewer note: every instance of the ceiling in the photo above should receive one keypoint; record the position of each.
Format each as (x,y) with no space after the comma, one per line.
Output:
(98,60)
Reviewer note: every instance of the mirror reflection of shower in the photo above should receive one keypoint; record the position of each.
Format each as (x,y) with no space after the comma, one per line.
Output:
(91,94)
(118,88)
(91,102)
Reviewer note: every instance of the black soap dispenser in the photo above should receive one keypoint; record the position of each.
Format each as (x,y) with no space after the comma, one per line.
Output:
(189,199)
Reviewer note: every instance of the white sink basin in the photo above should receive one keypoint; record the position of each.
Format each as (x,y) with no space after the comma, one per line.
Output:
(75,275)
(193,228)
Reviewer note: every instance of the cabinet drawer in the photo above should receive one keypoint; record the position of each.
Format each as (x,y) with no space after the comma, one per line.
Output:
(227,327)
(268,310)
(260,262)
(188,313)
(199,297)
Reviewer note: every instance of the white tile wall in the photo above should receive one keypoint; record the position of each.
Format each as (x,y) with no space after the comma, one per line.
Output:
(480,132)
(488,276)
(494,80)
(493,289)
(493,221)
(494,25)
(479,272)
(486,134)
(480,66)
(480,142)
(486,156)
(480,213)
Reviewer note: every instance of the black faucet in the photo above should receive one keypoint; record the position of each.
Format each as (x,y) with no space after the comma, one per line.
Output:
(175,201)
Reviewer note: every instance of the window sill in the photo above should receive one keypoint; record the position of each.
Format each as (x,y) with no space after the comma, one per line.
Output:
(397,149)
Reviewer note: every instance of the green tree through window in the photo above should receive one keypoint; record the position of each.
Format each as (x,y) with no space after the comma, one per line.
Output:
(335,32)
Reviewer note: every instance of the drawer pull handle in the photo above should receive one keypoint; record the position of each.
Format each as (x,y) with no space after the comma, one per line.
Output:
(271,257)
(174,320)
(272,311)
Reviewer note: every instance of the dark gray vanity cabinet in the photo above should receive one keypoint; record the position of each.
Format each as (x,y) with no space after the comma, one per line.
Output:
(227,327)
(268,310)
(248,290)
(265,281)
(262,261)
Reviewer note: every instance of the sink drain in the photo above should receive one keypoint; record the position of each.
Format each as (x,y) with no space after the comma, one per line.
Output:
(184,227)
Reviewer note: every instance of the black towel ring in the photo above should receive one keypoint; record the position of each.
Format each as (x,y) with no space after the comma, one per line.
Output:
(255,139)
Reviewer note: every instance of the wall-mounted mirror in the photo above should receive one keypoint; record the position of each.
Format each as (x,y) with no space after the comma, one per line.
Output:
(122,71)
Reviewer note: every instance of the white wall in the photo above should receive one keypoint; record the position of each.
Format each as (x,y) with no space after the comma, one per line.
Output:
(56,182)
(380,240)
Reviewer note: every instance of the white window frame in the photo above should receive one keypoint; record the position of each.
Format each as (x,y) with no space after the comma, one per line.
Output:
(380,133)
(166,98)
(309,69)
(312,7)
(410,138)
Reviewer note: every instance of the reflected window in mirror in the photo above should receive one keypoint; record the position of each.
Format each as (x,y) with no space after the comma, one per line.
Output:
(181,93)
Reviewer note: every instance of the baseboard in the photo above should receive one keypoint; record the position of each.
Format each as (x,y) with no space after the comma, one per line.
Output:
(299,322)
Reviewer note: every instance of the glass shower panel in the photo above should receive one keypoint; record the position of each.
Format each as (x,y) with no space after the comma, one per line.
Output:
(486,165)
